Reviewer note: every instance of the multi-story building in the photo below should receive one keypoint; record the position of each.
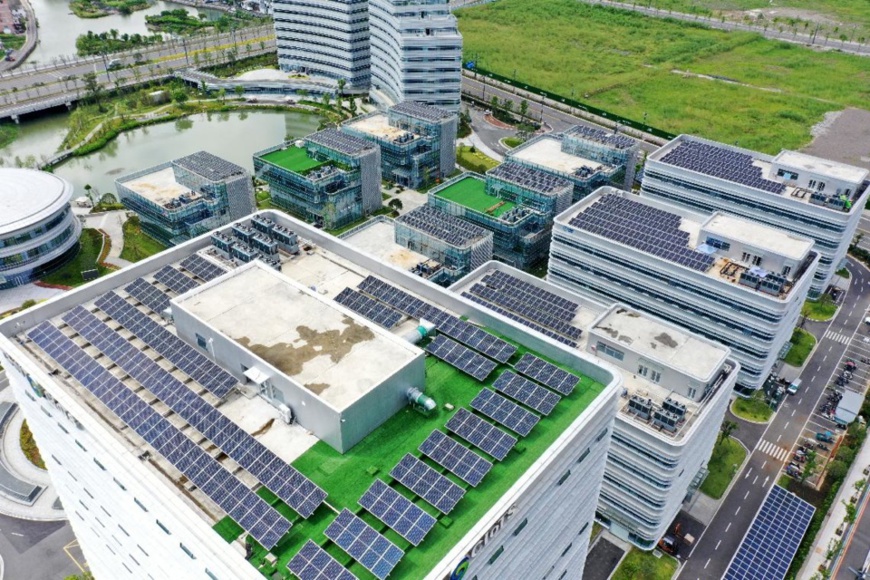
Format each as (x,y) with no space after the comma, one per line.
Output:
(38,231)
(170,398)
(184,198)
(327,39)
(417,141)
(416,53)
(734,281)
(587,157)
(676,389)
(530,187)
(459,246)
(521,234)
(329,178)
(806,195)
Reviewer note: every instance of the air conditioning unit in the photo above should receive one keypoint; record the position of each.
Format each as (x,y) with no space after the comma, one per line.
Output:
(286,413)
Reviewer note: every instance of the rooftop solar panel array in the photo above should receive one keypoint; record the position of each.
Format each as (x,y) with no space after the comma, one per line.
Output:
(505,412)
(547,374)
(520,319)
(314,563)
(371,309)
(209,166)
(288,484)
(199,266)
(340,141)
(364,544)
(436,489)
(616,140)
(720,162)
(175,280)
(148,294)
(484,436)
(478,339)
(529,177)
(250,511)
(422,111)
(461,357)
(526,392)
(645,228)
(459,460)
(443,226)
(561,306)
(185,357)
(397,511)
(773,538)
(532,309)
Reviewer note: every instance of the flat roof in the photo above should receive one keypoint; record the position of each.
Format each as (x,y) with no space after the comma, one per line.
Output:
(470,191)
(817,165)
(668,344)
(547,152)
(530,178)
(28,196)
(377,125)
(209,166)
(294,158)
(759,235)
(158,186)
(422,111)
(378,238)
(443,226)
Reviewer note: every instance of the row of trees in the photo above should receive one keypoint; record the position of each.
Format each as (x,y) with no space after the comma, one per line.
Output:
(112,41)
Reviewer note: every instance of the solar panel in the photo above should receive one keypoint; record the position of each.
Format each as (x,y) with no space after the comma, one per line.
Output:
(175,280)
(718,161)
(314,563)
(443,226)
(250,511)
(526,392)
(147,294)
(199,266)
(521,320)
(502,280)
(464,359)
(436,489)
(460,461)
(364,544)
(772,540)
(188,359)
(505,412)
(397,511)
(286,482)
(481,434)
(477,339)
(547,374)
(371,309)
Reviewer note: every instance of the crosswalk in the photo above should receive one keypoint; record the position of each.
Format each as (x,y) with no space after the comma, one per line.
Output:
(837,337)
(774,451)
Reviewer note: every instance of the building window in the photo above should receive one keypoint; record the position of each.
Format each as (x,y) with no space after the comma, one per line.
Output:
(821,186)
(786,270)
(82,447)
(30,396)
(134,560)
(495,556)
(201,342)
(56,460)
(756,260)
(583,456)
(565,551)
(84,505)
(121,485)
(62,428)
(139,503)
(162,527)
(812,183)
(141,549)
(120,527)
(564,477)
(100,465)
(102,525)
(583,529)
(73,477)
(692,392)
(87,492)
(521,526)
(210,575)
(44,410)
(128,568)
(106,511)
(642,370)
(655,376)
(601,435)
(610,351)
(186,551)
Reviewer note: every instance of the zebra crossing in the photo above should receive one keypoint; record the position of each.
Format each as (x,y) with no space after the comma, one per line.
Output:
(774,451)
(837,337)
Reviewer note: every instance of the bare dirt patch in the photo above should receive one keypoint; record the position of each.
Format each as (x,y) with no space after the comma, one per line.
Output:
(843,136)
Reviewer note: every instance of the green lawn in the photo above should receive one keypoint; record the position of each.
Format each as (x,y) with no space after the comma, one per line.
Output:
(471,193)
(295,159)
(638,565)
(822,309)
(512,142)
(802,342)
(726,454)
(633,66)
(90,245)
(752,409)
(474,160)
(346,477)
(844,273)
(14,41)
(137,244)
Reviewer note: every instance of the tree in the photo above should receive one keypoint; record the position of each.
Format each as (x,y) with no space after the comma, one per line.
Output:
(524,110)
(494,104)
(93,90)
(180,97)
(395,204)
(240,90)
(341,84)
(728,427)
(837,470)
(222,94)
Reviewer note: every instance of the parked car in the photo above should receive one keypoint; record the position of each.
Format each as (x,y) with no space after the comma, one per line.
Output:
(825,436)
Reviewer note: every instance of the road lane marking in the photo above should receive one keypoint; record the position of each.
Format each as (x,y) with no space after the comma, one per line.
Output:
(778,437)
(728,527)
(747,494)
(707,564)
(784,427)
(763,464)
(802,399)
(754,480)
(717,545)
(793,412)
(738,510)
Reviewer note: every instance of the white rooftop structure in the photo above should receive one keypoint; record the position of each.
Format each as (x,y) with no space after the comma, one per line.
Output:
(377,125)
(547,152)
(28,196)
(159,187)
(819,166)
(759,235)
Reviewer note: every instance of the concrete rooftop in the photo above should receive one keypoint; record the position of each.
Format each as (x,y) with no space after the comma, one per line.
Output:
(159,186)
(548,153)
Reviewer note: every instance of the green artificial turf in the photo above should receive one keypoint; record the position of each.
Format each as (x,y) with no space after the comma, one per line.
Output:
(295,159)
(471,193)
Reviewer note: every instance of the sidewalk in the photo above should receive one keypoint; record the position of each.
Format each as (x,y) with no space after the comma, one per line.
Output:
(835,516)
(111,222)
(476,141)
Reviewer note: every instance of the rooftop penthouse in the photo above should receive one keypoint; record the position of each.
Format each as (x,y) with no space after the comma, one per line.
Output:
(798,177)
(207,369)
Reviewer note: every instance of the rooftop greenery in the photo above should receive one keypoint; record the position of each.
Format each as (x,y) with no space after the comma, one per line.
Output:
(471,193)
(295,159)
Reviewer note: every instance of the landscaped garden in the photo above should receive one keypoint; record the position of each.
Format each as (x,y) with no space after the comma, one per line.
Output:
(87,258)
(754,408)
(802,343)
(727,457)
(639,565)
(28,446)
(470,158)
(137,244)
(822,309)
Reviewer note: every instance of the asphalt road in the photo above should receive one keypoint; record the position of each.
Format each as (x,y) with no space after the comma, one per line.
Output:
(713,551)
(856,551)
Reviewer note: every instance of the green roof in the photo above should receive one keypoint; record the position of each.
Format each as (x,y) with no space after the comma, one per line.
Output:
(294,158)
(346,477)
(471,193)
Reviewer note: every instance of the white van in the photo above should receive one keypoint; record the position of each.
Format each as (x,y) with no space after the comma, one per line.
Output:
(794,387)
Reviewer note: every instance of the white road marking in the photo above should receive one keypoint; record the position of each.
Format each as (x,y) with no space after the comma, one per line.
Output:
(728,527)
(717,545)
(707,564)
(763,464)
(754,480)
(747,495)
(793,412)
(747,473)
(738,510)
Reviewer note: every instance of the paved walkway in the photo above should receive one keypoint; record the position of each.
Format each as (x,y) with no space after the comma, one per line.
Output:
(473,139)
(15,297)
(111,222)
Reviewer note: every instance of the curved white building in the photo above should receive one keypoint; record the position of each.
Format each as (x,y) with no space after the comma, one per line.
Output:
(38,231)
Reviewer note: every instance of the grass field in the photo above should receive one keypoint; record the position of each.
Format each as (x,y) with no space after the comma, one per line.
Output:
(293,158)
(637,67)
(471,193)
(90,244)
(822,309)
(638,565)
(137,244)
(474,160)
(726,454)
(802,342)
(346,477)
(752,409)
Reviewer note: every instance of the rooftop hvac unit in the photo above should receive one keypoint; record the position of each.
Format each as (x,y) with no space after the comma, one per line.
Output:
(640,406)
(286,413)
(421,403)
(666,420)
(675,407)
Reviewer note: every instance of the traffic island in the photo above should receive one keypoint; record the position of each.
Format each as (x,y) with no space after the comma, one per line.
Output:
(754,409)
(646,566)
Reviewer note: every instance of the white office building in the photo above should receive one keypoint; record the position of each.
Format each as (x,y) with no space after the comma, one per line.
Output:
(676,388)
(170,398)
(733,281)
(799,193)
